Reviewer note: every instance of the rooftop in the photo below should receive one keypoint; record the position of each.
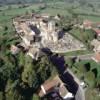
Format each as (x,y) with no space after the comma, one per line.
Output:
(43,30)
(14,49)
(97,31)
(96,57)
(55,85)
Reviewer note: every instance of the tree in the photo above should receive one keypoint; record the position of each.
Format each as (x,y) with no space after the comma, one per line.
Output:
(1,95)
(98,83)
(44,68)
(90,5)
(71,62)
(28,75)
(90,79)
(1,62)
(97,72)
(87,66)
(82,2)
(66,23)
(42,7)
(13,95)
(26,13)
(82,68)
(21,59)
(3,14)
(70,1)
(20,75)
(35,97)
(9,7)
(33,11)
(5,28)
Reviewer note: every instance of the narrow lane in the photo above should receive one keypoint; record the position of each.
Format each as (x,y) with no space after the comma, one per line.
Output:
(72,83)
(82,57)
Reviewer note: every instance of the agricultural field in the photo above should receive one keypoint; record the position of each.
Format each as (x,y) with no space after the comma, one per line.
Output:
(63,8)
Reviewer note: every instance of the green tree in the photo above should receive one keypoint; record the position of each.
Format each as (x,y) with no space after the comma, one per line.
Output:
(9,7)
(82,2)
(90,79)
(33,11)
(35,97)
(5,28)
(1,95)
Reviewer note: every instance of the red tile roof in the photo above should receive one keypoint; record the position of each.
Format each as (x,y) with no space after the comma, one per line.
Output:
(14,49)
(97,31)
(97,57)
(87,23)
(98,23)
(49,85)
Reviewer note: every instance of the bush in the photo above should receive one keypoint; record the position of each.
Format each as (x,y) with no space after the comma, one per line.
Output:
(90,78)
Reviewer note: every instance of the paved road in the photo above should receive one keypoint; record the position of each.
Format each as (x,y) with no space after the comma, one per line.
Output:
(71,81)
(80,95)
(82,57)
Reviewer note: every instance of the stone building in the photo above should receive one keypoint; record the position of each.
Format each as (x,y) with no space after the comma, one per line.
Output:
(43,30)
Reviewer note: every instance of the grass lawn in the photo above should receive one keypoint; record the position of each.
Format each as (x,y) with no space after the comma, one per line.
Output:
(53,11)
(84,36)
(89,77)
(6,14)
(92,18)
(91,62)
(92,94)
(80,70)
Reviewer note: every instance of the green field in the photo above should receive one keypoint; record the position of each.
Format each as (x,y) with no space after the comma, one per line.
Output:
(8,12)
(92,18)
